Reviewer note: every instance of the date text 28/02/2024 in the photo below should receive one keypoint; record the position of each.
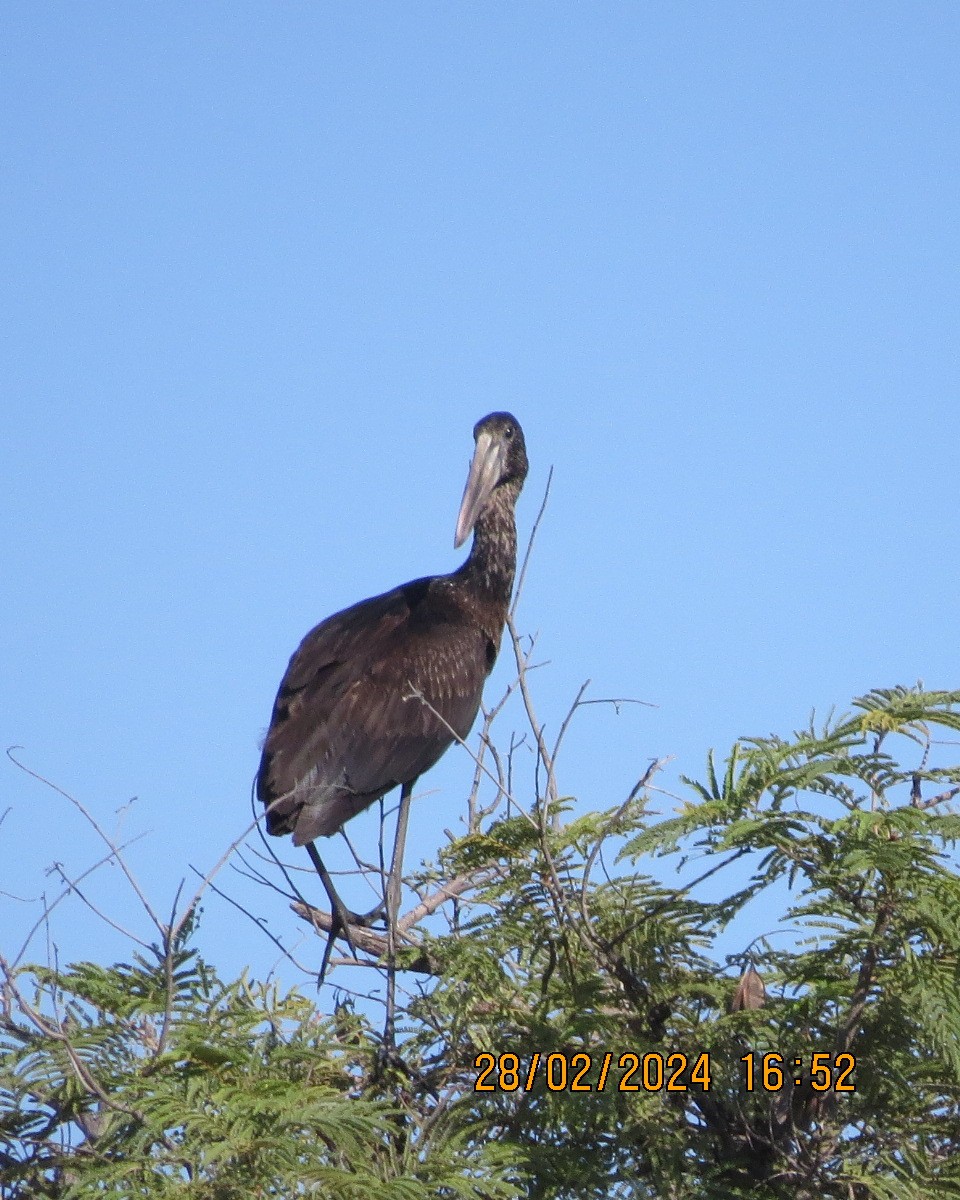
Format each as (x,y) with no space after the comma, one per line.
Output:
(654,1072)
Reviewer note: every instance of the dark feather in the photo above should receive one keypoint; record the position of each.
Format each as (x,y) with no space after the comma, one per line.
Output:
(376,693)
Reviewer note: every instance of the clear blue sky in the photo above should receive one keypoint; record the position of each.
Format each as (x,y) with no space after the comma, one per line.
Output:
(265,264)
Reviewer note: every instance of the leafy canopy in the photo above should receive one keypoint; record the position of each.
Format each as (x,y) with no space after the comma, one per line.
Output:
(560,937)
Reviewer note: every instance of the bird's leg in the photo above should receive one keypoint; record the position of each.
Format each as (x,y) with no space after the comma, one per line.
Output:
(395,878)
(340,914)
(381,908)
(391,899)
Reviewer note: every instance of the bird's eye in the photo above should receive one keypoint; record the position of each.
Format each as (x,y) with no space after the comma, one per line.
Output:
(508,432)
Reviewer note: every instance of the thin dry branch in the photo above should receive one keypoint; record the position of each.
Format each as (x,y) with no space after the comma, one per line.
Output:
(942,798)
(521,578)
(640,786)
(48,908)
(372,941)
(618,701)
(416,694)
(71,886)
(536,728)
(172,930)
(475,814)
(565,723)
(95,825)
(451,890)
(259,923)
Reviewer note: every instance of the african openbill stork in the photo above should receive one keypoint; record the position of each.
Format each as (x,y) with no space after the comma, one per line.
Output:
(376,693)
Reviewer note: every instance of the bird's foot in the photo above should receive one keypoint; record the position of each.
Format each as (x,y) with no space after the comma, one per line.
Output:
(365,920)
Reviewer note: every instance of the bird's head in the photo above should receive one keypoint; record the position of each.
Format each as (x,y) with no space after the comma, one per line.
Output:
(500,458)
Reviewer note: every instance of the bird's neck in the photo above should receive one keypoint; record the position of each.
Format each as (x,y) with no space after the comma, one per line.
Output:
(492,562)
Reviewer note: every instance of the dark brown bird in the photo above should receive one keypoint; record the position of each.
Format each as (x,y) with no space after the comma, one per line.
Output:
(376,693)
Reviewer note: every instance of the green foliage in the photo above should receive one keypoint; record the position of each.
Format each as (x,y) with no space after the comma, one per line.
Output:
(206,1090)
(155,1078)
(848,854)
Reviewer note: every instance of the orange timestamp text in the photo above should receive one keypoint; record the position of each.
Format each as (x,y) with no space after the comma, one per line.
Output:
(656,1072)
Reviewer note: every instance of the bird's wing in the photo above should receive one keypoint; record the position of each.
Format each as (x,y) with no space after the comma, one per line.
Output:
(368,702)
(398,717)
(314,682)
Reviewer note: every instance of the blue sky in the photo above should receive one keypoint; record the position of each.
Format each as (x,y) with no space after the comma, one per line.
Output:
(264,266)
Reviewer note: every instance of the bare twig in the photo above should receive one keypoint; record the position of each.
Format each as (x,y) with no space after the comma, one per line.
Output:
(565,723)
(521,578)
(92,821)
(169,942)
(865,978)
(943,797)
(71,886)
(370,940)
(474,814)
(416,694)
(175,926)
(452,889)
(536,728)
(48,908)
(640,786)
(259,922)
